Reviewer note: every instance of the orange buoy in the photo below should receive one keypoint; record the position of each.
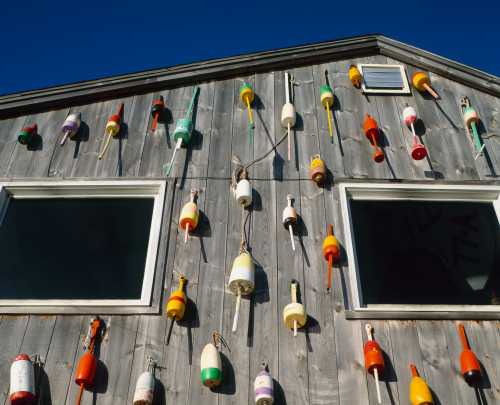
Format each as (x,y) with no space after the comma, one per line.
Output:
(189,215)
(372,133)
(374,359)
(469,364)
(331,252)
(422,83)
(420,394)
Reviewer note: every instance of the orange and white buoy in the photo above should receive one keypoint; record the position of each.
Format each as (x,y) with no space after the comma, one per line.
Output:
(374,359)
(418,151)
(189,216)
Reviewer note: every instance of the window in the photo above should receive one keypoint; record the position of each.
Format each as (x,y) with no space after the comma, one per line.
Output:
(79,243)
(423,250)
(384,79)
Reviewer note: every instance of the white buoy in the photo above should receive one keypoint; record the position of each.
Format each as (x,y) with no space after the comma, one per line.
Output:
(241,281)
(288,114)
(145,386)
(294,314)
(244,193)
(22,381)
(264,387)
(70,126)
(290,218)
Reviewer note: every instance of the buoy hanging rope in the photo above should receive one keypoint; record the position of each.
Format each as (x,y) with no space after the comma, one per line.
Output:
(469,364)
(183,130)
(176,305)
(113,127)
(145,386)
(331,253)
(70,127)
(290,218)
(422,83)
(418,151)
(294,314)
(288,113)
(157,111)
(471,121)
(374,359)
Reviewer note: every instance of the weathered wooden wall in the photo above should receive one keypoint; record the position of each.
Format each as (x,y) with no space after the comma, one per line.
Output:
(323,365)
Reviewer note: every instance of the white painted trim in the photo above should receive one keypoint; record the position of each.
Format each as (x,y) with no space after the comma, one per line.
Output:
(406,85)
(413,192)
(97,189)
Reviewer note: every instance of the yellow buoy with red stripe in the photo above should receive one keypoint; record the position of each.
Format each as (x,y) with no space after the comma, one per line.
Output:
(190,215)
(176,305)
(420,394)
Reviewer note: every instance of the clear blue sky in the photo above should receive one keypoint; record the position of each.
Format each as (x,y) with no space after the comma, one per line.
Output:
(45,43)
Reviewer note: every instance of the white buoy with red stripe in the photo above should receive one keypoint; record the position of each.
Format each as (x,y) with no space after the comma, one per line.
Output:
(145,386)
(189,216)
(288,114)
(22,381)
(264,387)
(290,218)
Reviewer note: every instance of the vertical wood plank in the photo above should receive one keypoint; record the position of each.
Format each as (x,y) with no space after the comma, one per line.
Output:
(9,130)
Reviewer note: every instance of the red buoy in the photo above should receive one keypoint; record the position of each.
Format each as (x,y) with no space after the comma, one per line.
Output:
(373,134)
(22,381)
(469,364)
(374,359)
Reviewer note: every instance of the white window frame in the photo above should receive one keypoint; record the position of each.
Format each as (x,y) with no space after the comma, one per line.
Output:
(406,85)
(92,189)
(409,192)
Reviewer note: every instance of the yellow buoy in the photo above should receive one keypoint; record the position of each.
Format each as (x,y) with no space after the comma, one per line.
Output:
(294,314)
(420,394)
(247,96)
(355,76)
(176,305)
(422,83)
(327,99)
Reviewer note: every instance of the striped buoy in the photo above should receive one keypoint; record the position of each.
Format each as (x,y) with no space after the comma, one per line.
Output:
(22,381)
(264,387)
(210,362)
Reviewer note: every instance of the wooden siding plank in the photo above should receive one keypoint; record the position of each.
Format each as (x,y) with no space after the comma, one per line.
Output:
(9,131)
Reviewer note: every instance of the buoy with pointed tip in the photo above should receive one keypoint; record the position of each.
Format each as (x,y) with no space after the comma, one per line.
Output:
(113,127)
(157,110)
(22,381)
(183,130)
(288,114)
(241,281)
(70,126)
(28,135)
(327,99)
(471,121)
(190,214)
(317,170)
(422,83)
(290,218)
(264,387)
(374,359)
(418,150)
(355,76)
(145,386)
(331,253)
(370,127)
(210,362)
(294,314)
(420,394)
(247,96)
(469,364)
(176,305)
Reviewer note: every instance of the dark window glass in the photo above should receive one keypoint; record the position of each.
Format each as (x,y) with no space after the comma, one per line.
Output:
(424,252)
(74,248)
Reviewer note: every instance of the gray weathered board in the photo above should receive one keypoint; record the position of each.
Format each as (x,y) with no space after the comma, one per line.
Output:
(324,363)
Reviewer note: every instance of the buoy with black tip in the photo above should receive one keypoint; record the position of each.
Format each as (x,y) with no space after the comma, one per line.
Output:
(241,281)
(113,127)
(420,394)
(183,131)
(157,110)
(85,371)
(317,170)
(22,381)
(331,253)
(288,114)
(176,305)
(264,387)
(418,151)
(374,359)
(290,218)
(469,364)
(70,127)
(28,135)
(210,362)
(190,215)
(145,385)
(371,130)
(422,83)
(294,314)
(471,121)
(327,99)
(355,76)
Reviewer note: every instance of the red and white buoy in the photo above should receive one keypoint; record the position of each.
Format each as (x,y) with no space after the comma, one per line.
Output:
(22,381)
(418,151)
(145,386)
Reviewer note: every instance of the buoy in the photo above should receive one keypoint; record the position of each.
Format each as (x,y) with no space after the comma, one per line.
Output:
(247,96)
(294,314)
(183,130)
(190,214)
(418,151)
(241,281)
(469,364)
(471,121)
(288,114)
(157,110)
(264,387)
(85,371)
(331,253)
(372,133)
(70,127)
(326,96)
(210,362)
(290,218)
(422,83)
(243,190)
(420,394)
(113,127)
(145,386)
(355,76)
(374,359)
(176,305)
(22,381)
(317,170)
(28,135)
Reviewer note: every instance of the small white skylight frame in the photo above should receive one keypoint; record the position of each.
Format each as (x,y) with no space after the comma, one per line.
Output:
(404,90)
(410,192)
(155,189)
